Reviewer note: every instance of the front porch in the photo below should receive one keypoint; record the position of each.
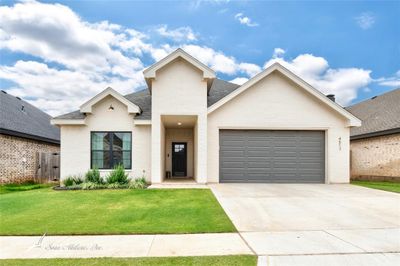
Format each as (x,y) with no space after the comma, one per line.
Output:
(179,151)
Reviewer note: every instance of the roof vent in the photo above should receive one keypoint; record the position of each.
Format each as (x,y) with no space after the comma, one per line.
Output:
(331,97)
(3,91)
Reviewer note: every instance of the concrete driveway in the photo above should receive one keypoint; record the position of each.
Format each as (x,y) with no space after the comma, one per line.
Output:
(289,220)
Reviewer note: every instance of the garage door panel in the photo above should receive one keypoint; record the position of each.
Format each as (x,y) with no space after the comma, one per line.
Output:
(262,156)
(259,153)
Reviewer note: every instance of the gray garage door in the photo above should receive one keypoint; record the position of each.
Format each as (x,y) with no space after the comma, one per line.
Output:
(272,156)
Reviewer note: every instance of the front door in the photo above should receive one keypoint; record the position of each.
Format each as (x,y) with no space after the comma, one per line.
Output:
(179,158)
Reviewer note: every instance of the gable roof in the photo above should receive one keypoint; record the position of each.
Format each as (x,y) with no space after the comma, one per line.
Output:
(219,89)
(151,72)
(353,121)
(87,107)
(380,115)
(19,118)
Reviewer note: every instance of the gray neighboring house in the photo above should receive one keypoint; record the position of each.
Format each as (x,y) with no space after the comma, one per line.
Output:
(24,131)
(375,146)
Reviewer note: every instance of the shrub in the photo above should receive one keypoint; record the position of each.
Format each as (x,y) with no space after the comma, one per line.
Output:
(117,185)
(118,175)
(92,185)
(72,181)
(93,176)
(138,183)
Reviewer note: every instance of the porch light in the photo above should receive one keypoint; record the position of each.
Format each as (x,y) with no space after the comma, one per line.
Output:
(179,123)
(111,108)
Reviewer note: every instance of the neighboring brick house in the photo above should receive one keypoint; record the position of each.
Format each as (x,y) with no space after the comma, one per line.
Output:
(24,131)
(375,146)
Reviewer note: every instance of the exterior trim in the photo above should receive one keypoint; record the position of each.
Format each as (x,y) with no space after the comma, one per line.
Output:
(142,122)
(376,134)
(28,136)
(87,107)
(353,121)
(68,121)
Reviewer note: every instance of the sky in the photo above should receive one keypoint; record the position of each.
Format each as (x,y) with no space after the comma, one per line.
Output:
(58,54)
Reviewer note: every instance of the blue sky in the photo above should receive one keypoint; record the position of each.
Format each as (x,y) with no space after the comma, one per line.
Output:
(57,54)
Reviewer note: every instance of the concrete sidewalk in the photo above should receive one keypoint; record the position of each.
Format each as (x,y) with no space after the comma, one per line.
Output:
(273,248)
(122,246)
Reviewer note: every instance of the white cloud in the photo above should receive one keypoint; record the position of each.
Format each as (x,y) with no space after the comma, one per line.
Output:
(68,40)
(278,52)
(250,69)
(62,90)
(239,80)
(185,34)
(393,81)
(245,20)
(343,82)
(88,57)
(220,62)
(365,20)
(197,3)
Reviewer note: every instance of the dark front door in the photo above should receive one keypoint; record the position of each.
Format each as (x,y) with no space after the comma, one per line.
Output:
(179,158)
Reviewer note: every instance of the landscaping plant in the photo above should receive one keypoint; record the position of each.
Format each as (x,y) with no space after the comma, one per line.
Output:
(72,181)
(93,176)
(92,185)
(118,175)
(138,183)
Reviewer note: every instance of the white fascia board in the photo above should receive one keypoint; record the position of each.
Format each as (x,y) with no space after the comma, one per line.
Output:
(142,122)
(68,122)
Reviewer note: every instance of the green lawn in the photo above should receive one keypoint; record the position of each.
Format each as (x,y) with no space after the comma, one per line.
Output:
(8,188)
(387,186)
(40,211)
(212,260)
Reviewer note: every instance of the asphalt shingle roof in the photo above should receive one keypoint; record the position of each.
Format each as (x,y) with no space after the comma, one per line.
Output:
(219,89)
(19,116)
(377,114)
(142,98)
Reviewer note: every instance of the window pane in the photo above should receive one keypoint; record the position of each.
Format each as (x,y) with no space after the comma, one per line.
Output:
(101,159)
(117,141)
(100,141)
(123,158)
(126,159)
(117,158)
(122,141)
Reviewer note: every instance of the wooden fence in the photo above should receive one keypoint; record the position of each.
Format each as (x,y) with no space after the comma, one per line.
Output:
(47,167)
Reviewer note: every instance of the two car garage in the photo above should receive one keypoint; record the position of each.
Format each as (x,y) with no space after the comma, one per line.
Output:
(272,156)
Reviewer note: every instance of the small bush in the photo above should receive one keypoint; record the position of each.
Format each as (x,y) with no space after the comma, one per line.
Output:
(117,185)
(138,183)
(72,180)
(92,185)
(118,175)
(93,176)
